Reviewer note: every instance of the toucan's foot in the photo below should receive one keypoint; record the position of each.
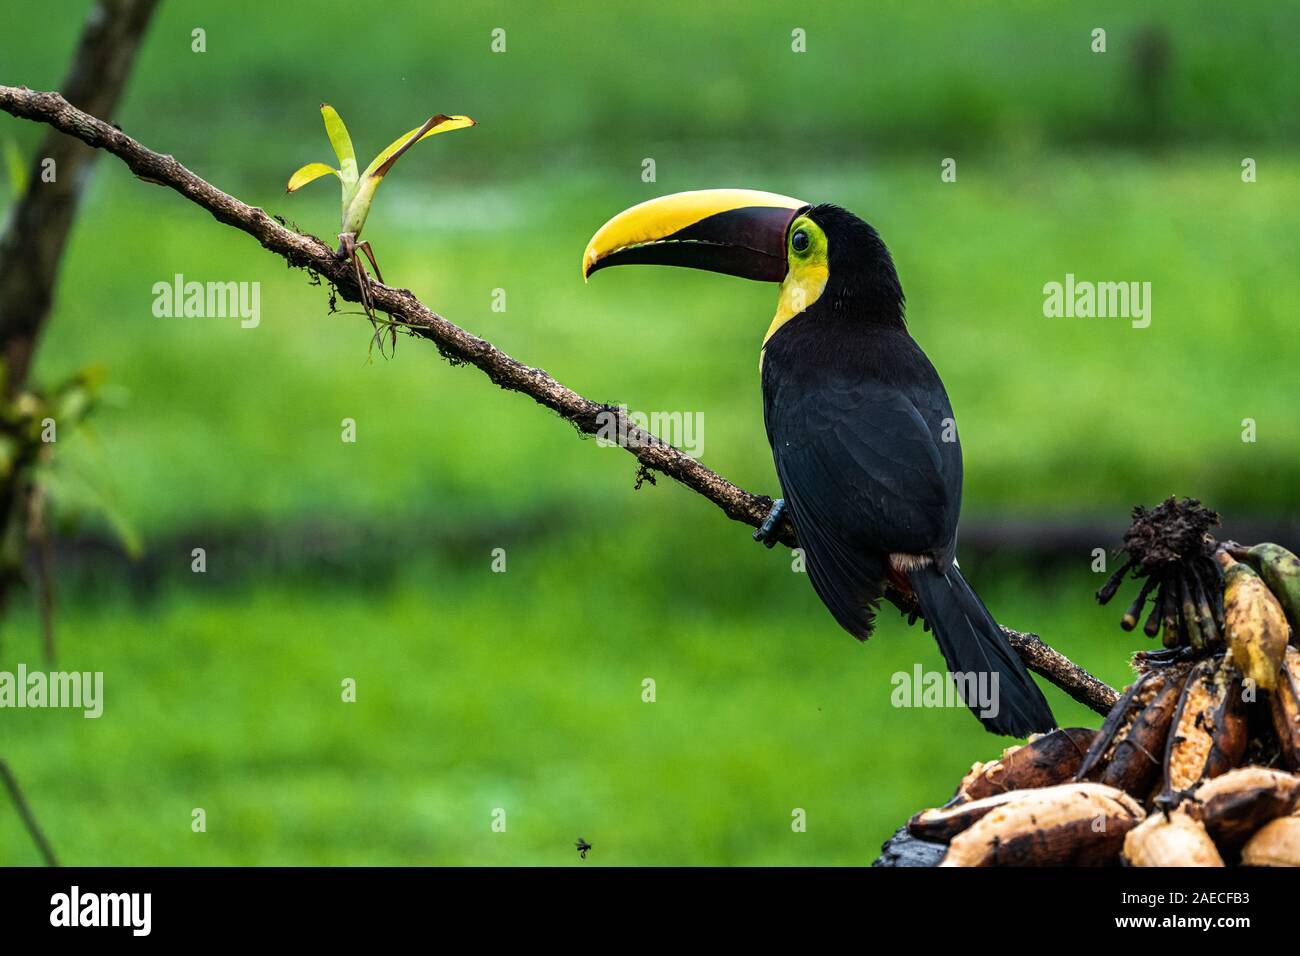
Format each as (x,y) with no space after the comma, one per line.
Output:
(766,532)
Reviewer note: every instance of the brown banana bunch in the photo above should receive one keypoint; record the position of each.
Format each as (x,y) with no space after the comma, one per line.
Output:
(1277,844)
(1234,806)
(1073,824)
(1044,760)
(1208,736)
(1173,839)
(1256,627)
(1161,783)
(1126,752)
(1284,703)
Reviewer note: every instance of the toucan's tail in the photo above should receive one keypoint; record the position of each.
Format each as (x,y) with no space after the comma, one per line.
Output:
(995,684)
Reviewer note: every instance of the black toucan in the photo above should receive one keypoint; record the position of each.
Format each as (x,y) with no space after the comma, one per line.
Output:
(861,430)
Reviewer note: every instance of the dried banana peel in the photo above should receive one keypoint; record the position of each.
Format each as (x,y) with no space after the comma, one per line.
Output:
(1208,736)
(1127,752)
(1121,717)
(1277,844)
(1042,762)
(1073,824)
(1174,839)
(1285,705)
(943,823)
(1235,805)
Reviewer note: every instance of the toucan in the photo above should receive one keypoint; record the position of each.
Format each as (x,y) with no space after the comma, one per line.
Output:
(861,429)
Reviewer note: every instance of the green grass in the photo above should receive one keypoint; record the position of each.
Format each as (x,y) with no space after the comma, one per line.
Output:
(621,80)
(523,690)
(519,690)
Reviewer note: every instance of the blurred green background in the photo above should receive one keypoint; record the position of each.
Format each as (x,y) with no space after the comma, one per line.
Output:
(372,561)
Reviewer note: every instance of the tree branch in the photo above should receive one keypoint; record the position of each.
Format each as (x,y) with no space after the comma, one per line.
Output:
(1042,658)
(26,815)
(460,346)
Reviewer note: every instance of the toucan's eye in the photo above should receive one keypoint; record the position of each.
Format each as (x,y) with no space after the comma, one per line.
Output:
(800,242)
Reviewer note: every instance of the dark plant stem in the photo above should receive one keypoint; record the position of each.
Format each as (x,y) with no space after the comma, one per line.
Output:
(25,813)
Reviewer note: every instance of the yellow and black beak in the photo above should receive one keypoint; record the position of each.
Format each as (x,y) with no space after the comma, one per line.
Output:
(738,232)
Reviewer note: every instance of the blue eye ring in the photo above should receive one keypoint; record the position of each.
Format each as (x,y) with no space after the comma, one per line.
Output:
(800,241)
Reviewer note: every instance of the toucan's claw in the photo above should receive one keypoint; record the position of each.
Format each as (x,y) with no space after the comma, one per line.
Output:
(766,532)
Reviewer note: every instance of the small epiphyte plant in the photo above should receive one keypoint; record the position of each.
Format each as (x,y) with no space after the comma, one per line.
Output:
(359,190)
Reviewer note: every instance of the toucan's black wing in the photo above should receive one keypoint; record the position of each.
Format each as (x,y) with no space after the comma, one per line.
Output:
(865,472)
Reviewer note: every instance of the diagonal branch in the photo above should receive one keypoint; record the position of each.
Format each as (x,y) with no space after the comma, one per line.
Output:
(25,814)
(460,346)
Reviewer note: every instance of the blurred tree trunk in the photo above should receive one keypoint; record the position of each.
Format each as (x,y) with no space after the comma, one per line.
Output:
(31,250)
(32,246)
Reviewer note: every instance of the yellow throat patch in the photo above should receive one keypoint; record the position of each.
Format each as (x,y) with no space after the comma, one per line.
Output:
(808,255)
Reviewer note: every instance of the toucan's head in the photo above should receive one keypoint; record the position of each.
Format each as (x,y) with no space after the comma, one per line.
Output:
(820,254)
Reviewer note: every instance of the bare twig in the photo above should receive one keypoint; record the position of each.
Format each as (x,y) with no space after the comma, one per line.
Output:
(25,812)
(460,346)
(1044,659)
